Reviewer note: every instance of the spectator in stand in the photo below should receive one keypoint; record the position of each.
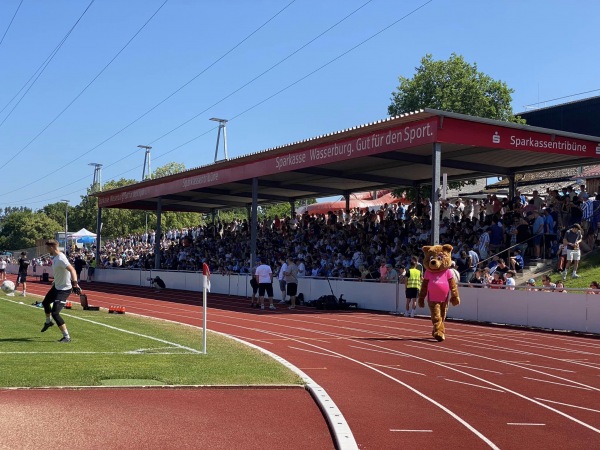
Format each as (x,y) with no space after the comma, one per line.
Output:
(391,274)
(502,268)
(383,269)
(531,285)
(483,244)
(516,261)
(538,233)
(571,240)
(594,288)
(477,280)
(560,287)
(509,281)
(496,236)
(463,265)
(547,284)
(538,201)
(497,281)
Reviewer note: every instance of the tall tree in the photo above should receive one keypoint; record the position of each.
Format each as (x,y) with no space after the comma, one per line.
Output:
(455,86)
(22,229)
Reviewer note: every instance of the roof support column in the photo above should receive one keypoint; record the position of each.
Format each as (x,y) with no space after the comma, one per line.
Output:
(436,159)
(512,188)
(347,197)
(253,221)
(292,209)
(213,213)
(158,239)
(98,237)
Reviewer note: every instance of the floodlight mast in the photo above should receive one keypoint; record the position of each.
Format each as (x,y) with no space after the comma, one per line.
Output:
(66,222)
(222,126)
(97,183)
(146,160)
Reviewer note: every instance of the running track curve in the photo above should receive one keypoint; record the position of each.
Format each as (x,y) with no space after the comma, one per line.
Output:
(484,387)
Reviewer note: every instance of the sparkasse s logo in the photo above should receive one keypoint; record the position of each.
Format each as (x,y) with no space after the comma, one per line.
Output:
(496,138)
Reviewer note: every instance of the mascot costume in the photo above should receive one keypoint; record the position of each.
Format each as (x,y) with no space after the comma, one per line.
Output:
(438,282)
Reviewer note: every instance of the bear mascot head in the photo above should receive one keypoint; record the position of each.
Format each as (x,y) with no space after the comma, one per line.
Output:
(438,285)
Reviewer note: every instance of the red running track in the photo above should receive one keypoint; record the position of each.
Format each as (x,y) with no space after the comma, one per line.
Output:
(398,388)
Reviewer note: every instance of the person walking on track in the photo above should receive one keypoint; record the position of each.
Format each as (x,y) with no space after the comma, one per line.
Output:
(413,285)
(65,281)
(264,276)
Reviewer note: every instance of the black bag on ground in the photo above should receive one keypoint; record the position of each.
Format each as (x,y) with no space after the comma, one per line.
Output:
(327,302)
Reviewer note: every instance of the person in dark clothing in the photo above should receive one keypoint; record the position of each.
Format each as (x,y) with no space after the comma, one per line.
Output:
(79,263)
(22,274)
(158,283)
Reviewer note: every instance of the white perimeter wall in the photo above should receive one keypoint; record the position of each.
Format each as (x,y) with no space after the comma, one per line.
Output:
(574,312)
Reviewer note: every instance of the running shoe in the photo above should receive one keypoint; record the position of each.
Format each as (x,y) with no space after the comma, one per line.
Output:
(272,307)
(65,340)
(47,325)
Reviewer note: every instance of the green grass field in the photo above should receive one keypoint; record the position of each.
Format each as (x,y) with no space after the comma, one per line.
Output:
(109,350)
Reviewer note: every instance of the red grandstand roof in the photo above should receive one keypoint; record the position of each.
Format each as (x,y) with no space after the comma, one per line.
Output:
(390,153)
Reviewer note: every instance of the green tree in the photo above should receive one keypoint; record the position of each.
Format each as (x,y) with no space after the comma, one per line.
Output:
(23,229)
(117,221)
(168,169)
(455,86)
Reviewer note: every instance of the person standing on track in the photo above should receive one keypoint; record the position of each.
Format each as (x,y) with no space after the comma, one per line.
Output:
(282,282)
(413,285)
(291,280)
(264,276)
(65,280)
(22,274)
(3,266)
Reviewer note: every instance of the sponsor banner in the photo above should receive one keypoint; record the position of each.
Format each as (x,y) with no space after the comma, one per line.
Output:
(410,135)
(458,131)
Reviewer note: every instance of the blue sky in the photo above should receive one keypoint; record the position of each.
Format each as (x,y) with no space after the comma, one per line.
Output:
(280,70)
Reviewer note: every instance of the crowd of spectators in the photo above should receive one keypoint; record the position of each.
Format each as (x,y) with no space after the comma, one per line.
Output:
(493,235)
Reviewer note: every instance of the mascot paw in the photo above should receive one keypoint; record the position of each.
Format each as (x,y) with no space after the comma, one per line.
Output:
(421,304)
(439,337)
(455,301)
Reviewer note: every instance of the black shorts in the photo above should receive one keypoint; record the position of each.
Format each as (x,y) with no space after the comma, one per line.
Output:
(412,292)
(254,285)
(57,299)
(292,288)
(265,287)
(22,278)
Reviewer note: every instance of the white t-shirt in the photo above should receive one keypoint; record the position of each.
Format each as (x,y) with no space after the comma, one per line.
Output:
(282,271)
(62,277)
(264,273)
(2,264)
(510,283)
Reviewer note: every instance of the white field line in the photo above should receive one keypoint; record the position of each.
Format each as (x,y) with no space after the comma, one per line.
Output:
(312,351)
(172,344)
(412,431)
(467,366)
(527,424)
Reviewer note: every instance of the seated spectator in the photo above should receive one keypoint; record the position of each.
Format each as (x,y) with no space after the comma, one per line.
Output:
(477,280)
(547,284)
(594,288)
(516,261)
(531,285)
(509,281)
(497,282)
(560,287)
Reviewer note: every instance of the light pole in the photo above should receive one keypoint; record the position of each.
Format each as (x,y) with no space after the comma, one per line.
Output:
(66,221)
(222,126)
(146,160)
(97,183)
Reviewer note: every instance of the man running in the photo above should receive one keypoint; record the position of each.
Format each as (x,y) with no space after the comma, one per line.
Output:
(65,280)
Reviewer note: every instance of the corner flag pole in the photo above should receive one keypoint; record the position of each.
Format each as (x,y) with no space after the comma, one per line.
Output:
(205,289)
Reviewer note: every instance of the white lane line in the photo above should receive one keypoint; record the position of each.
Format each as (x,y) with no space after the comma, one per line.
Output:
(312,351)
(466,366)
(560,384)
(395,368)
(566,404)
(549,368)
(527,424)
(372,350)
(475,385)
(412,431)
(414,390)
